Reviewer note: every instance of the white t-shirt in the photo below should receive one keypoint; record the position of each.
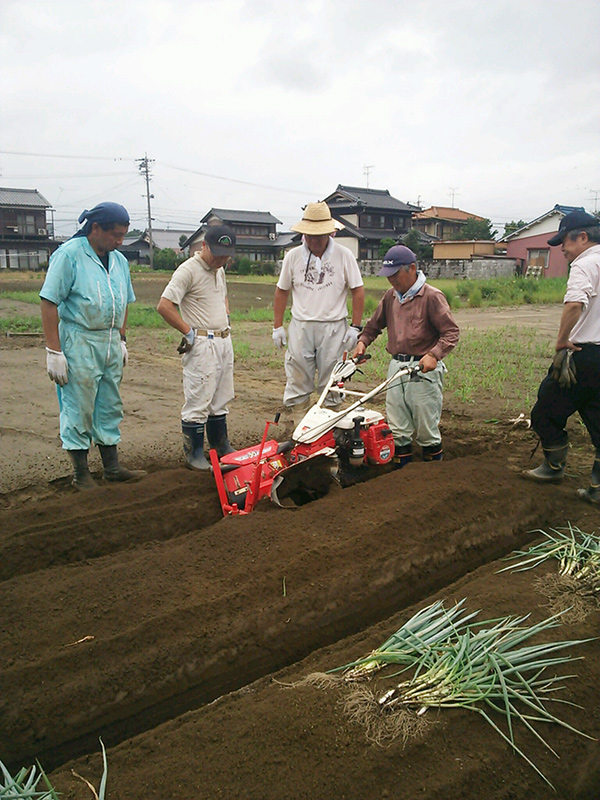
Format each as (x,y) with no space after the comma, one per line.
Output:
(583,286)
(319,286)
(200,292)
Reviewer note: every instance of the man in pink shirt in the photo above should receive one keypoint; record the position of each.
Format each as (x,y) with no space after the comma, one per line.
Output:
(421,330)
(573,382)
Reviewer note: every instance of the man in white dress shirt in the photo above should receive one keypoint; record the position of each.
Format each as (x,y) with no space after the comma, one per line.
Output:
(573,382)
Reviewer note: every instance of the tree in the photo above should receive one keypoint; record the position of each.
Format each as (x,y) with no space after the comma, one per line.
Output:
(513,226)
(384,246)
(165,259)
(183,238)
(477,229)
(413,241)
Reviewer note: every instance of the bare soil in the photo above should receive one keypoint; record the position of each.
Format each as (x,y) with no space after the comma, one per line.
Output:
(139,614)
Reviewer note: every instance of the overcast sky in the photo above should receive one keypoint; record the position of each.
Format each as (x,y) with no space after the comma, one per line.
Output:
(493,106)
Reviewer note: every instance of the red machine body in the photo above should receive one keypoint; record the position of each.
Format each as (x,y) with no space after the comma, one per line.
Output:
(243,478)
(379,443)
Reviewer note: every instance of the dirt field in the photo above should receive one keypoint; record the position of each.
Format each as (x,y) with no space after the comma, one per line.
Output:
(137,613)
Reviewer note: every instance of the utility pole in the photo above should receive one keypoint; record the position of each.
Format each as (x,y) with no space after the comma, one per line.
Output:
(367,172)
(595,193)
(144,167)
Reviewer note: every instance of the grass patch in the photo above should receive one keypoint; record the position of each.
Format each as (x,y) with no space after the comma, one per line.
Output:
(21,324)
(144,317)
(507,362)
(23,297)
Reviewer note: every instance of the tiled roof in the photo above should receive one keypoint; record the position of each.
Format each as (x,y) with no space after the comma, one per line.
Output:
(367,198)
(29,198)
(558,209)
(233,215)
(446,213)
(163,237)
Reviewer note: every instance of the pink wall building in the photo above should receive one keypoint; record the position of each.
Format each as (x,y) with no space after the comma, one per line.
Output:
(530,244)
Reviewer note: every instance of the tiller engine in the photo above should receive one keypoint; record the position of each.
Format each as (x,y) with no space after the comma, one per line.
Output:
(326,445)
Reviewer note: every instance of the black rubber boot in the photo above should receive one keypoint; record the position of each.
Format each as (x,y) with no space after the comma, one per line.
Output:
(193,445)
(433,452)
(552,470)
(82,477)
(402,455)
(216,431)
(592,493)
(113,471)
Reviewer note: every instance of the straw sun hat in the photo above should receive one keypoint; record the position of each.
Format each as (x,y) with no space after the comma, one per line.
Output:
(316,220)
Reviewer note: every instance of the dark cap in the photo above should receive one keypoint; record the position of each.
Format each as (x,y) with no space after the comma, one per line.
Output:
(396,257)
(220,239)
(572,222)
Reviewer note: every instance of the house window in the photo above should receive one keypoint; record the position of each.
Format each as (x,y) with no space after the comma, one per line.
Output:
(372,221)
(538,257)
(26,223)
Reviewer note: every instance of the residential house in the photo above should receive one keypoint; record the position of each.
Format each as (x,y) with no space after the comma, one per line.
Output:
(24,239)
(530,245)
(368,216)
(442,222)
(136,248)
(255,232)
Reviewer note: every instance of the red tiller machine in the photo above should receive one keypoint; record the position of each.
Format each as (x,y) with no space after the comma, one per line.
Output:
(324,445)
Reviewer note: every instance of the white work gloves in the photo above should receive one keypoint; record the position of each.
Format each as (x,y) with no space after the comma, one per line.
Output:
(124,353)
(279,337)
(57,367)
(351,337)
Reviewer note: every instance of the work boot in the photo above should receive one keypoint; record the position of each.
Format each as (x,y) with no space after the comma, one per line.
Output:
(82,477)
(433,452)
(113,471)
(552,469)
(193,445)
(592,493)
(402,455)
(216,431)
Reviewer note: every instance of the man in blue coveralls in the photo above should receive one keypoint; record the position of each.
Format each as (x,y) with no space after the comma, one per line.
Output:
(84,313)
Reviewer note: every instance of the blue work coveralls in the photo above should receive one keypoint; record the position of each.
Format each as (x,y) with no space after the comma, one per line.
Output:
(91,308)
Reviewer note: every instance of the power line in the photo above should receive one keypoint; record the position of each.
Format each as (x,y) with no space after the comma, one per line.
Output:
(55,155)
(235,180)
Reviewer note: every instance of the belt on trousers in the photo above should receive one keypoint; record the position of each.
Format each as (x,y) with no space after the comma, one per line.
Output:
(219,334)
(405,357)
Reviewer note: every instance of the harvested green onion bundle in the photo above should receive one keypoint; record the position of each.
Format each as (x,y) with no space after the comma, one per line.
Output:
(25,784)
(422,631)
(577,552)
(484,667)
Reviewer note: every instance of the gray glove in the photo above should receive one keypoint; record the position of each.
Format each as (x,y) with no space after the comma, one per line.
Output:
(187,342)
(563,368)
(56,366)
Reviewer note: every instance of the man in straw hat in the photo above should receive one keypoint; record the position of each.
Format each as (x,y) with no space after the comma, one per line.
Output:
(84,313)
(318,275)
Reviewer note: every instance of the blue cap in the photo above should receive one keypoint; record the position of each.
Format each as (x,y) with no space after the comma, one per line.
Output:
(397,256)
(573,221)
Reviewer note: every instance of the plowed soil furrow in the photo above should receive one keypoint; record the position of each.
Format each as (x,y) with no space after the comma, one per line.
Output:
(269,742)
(71,527)
(177,623)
